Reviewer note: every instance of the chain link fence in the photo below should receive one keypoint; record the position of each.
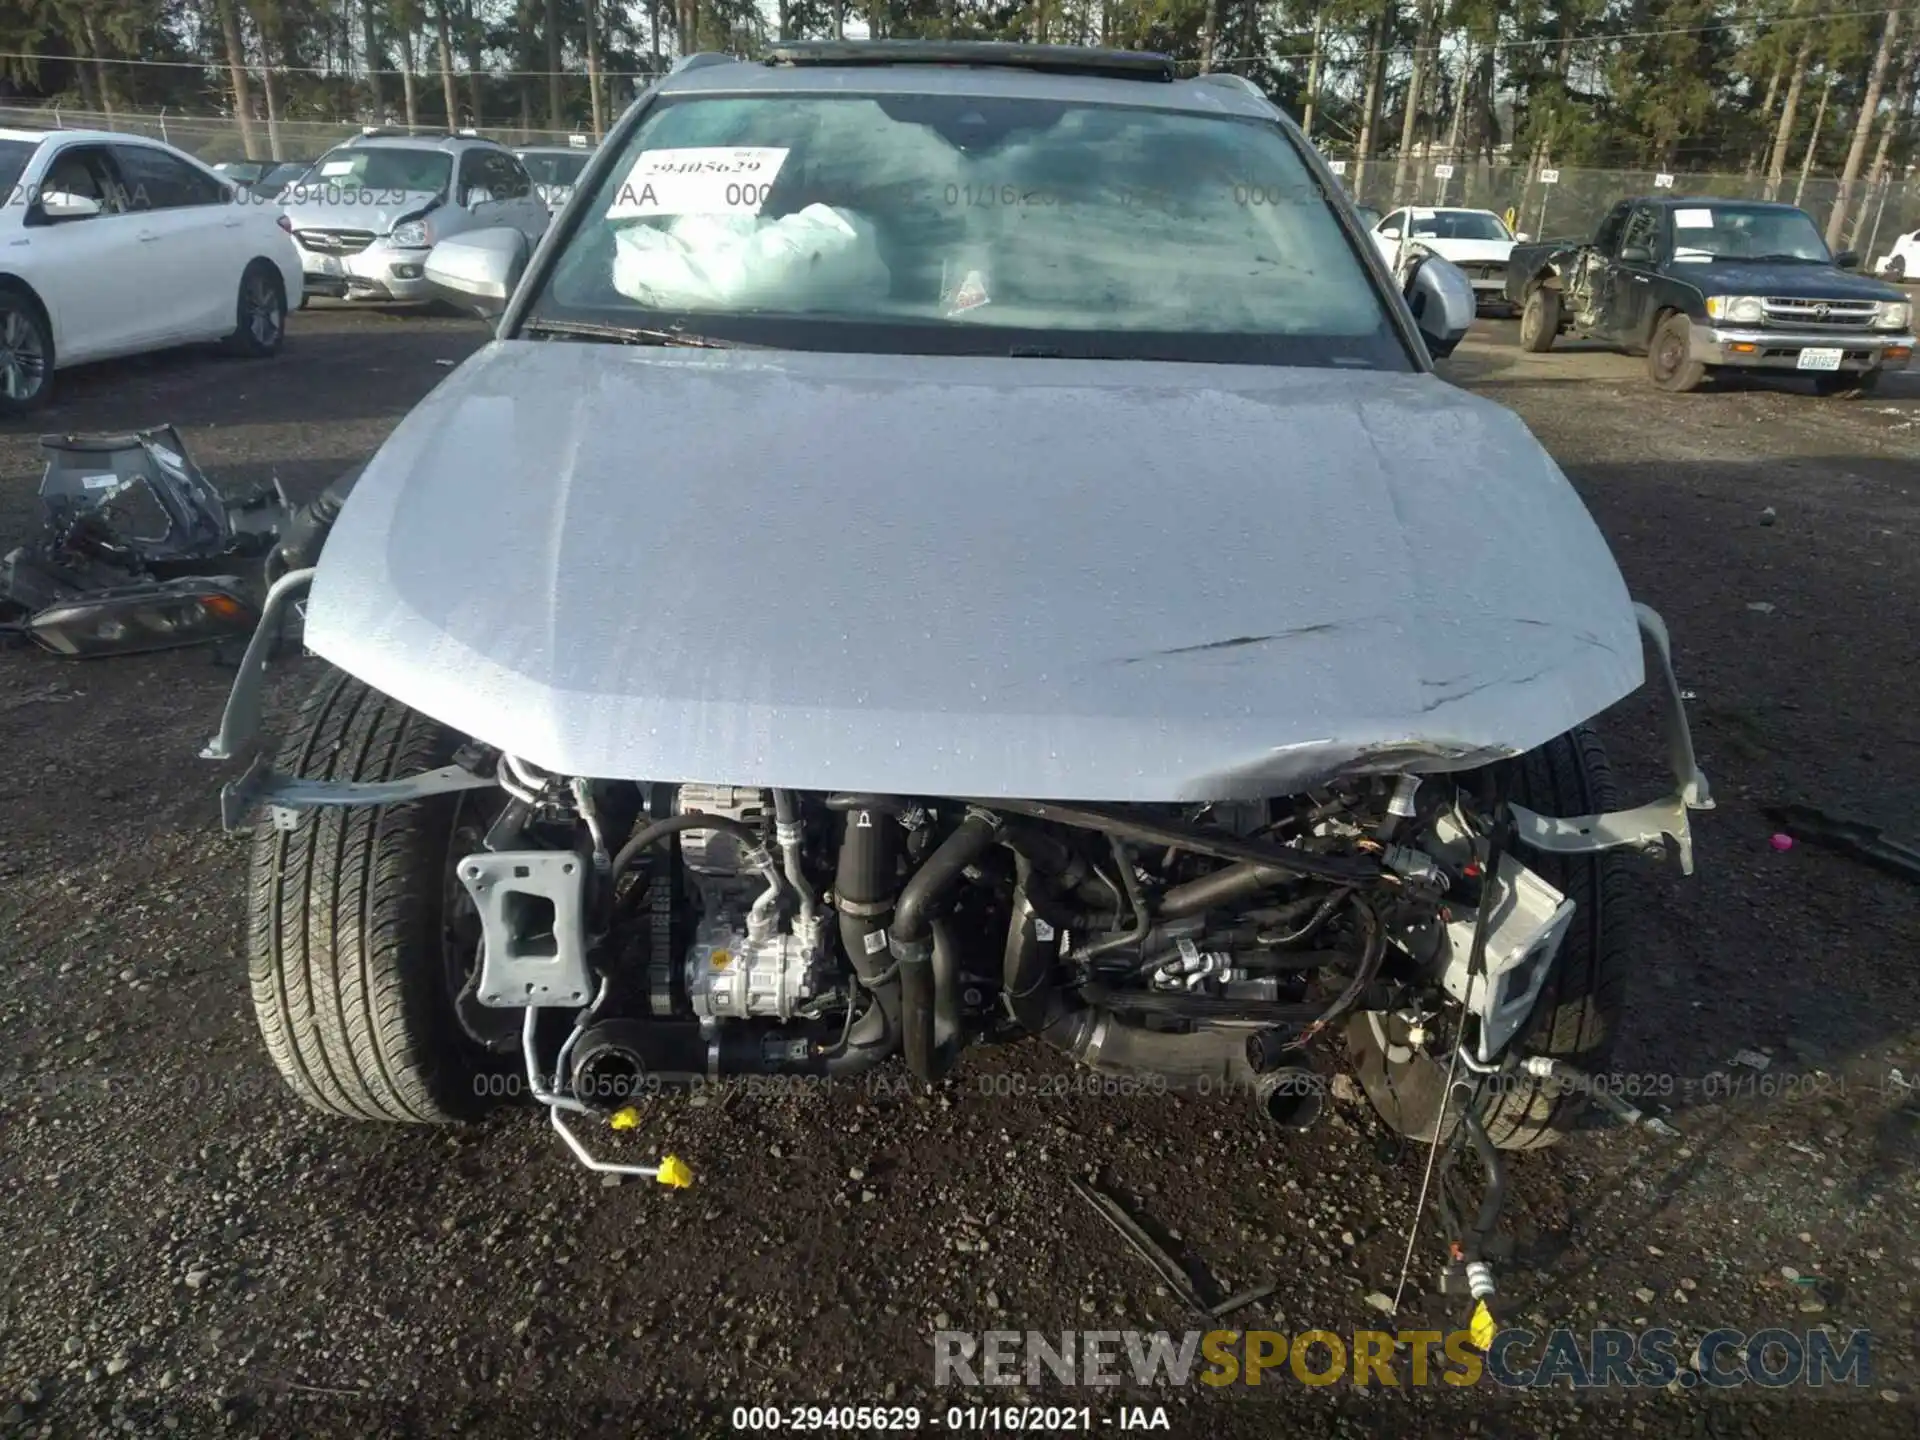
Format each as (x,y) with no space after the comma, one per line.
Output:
(1546,203)
(1551,203)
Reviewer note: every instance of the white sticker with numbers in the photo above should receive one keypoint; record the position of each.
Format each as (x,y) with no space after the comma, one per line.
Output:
(706,180)
(1693,219)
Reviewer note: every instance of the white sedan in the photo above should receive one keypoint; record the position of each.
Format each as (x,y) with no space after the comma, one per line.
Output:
(1903,261)
(116,244)
(1478,241)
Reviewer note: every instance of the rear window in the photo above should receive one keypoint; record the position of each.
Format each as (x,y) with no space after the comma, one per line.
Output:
(554,169)
(385,168)
(936,222)
(14,155)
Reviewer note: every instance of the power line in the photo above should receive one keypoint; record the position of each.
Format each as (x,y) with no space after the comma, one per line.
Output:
(1572,43)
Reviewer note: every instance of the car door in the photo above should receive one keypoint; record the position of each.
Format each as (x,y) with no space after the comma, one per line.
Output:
(91,271)
(196,258)
(1630,283)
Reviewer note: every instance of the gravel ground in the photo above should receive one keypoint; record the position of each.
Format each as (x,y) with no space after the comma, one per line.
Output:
(192,1253)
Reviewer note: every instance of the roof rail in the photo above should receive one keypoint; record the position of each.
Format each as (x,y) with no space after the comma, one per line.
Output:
(700,60)
(1054,59)
(1231,81)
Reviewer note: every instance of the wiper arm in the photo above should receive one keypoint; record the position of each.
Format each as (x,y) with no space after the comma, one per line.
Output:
(623,334)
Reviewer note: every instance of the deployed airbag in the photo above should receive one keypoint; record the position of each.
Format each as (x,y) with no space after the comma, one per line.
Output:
(812,258)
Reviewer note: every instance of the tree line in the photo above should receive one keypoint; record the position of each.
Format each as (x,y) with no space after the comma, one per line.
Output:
(1769,89)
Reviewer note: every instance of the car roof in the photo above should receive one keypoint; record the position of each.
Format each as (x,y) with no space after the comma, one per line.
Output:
(977,68)
(92,137)
(451,144)
(1670,201)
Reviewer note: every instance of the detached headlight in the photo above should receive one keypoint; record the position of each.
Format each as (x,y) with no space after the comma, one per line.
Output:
(410,235)
(1740,309)
(1892,314)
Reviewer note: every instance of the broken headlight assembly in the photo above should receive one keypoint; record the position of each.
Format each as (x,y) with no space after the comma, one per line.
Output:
(138,550)
(159,616)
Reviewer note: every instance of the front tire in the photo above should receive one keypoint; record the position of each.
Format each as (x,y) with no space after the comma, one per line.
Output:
(1670,363)
(1540,320)
(1579,1009)
(260,313)
(359,952)
(26,351)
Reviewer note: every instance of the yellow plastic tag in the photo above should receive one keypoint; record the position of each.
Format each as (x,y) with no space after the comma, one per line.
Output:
(674,1172)
(1481,1327)
(626,1118)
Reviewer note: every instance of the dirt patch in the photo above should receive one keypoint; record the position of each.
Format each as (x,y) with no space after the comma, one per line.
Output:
(190,1251)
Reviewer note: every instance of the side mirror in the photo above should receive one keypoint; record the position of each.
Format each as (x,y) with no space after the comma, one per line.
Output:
(1635,255)
(1441,298)
(1521,237)
(62,205)
(1847,260)
(478,271)
(1392,232)
(479,195)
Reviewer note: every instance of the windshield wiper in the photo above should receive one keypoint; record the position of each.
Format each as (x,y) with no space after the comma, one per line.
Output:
(623,334)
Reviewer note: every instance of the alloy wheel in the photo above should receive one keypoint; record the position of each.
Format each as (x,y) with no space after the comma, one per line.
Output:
(23,358)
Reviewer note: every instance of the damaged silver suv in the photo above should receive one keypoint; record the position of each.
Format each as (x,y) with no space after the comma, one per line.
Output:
(954,545)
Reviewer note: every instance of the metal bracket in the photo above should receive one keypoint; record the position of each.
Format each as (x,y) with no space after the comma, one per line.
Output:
(532,906)
(1644,826)
(240,721)
(287,795)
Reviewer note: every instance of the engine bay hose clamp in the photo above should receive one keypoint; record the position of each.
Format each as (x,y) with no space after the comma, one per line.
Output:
(910,952)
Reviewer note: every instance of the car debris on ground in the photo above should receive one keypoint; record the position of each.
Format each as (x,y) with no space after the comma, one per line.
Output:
(138,550)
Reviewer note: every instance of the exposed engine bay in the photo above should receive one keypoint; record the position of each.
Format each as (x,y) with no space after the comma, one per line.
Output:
(741,931)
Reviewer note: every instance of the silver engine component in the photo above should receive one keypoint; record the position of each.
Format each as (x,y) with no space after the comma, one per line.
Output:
(1530,920)
(733,970)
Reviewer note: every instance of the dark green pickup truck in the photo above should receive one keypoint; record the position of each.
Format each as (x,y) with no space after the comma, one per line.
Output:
(1700,285)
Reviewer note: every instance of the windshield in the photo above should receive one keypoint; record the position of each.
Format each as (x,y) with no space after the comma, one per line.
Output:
(944,223)
(386,168)
(548,167)
(14,155)
(1458,225)
(1736,232)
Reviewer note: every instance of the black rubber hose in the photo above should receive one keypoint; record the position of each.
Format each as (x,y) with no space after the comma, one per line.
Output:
(912,935)
(864,882)
(1349,869)
(307,531)
(1495,1195)
(673,825)
(1096,1037)
(1235,882)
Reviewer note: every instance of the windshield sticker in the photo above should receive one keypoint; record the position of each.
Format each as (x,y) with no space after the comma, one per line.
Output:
(971,295)
(1693,219)
(337,167)
(708,180)
(1425,214)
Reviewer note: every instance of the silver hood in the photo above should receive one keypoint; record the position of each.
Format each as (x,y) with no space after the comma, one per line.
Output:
(311,205)
(971,576)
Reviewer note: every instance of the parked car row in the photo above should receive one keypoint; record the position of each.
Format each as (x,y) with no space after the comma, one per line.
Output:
(119,244)
(116,244)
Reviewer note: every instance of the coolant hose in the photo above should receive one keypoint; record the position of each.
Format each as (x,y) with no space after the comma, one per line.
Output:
(1210,1059)
(864,884)
(911,940)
